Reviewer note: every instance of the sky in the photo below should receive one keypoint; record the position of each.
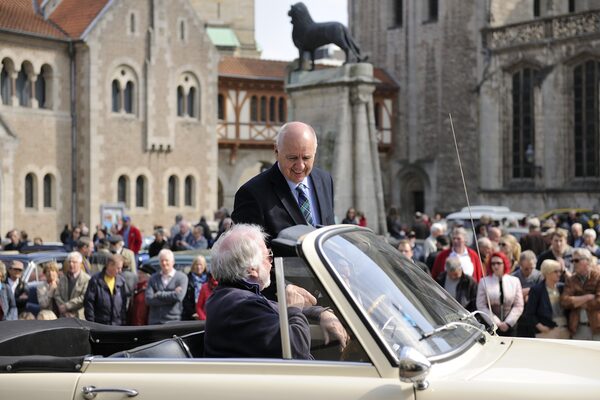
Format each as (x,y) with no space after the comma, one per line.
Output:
(274,28)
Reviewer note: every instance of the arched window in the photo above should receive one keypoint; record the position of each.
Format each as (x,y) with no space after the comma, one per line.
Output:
(48,191)
(586,135)
(272,110)
(140,191)
(191,102)
(116,96)
(221,107)
(180,101)
(23,88)
(172,191)
(132,23)
(189,191)
(5,83)
(40,91)
(282,110)
(122,189)
(263,109)
(253,108)
(30,190)
(128,97)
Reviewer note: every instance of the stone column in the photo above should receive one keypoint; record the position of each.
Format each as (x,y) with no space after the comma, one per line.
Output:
(338,103)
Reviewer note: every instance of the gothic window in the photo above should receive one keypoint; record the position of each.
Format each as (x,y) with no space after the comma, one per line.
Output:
(433,9)
(132,23)
(172,191)
(536,8)
(571,6)
(123,95)
(23,88)
(116,96)
(5,83)
(263,109)
(30,190)
(48,191)
(253,108)
(523,127)
(40,91)
(282,110)
(221,107)
(182,31)
(122,189)
(189,187)
(188,96)
(586,132)
(140,191)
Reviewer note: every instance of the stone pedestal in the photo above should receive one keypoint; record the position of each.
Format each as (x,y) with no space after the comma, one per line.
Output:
(338,103)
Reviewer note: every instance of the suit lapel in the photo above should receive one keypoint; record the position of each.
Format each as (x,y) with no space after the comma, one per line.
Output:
(282,191)
(318,187)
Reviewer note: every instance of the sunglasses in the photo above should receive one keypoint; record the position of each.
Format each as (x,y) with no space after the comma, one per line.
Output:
(497,263)
(576,260)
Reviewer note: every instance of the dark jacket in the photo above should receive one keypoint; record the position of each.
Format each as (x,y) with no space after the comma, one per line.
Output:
(537,309)
(103,307)
(267,200)
(240,322)
(156,246)
(466,290)
(189,301)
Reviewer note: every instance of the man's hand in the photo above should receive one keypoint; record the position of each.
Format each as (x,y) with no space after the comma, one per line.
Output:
(178,289)
(332,329)
(294,297)
(309,299)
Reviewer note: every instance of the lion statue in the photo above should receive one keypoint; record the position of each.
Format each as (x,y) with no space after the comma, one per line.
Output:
(309,35)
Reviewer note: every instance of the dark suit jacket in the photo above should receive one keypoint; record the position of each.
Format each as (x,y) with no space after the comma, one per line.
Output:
(266,200)
(538,309)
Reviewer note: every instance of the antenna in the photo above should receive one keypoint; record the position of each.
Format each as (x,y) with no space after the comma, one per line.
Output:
(462,176)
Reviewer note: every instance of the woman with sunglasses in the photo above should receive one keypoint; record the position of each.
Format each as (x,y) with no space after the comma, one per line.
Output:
(504,292)
(510,246)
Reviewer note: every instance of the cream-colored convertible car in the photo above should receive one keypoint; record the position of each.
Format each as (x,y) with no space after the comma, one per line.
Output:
(409,340)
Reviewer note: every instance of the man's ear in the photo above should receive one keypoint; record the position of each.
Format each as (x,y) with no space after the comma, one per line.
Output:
(252,272)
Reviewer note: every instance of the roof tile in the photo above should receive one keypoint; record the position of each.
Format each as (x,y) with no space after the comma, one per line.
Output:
(19,15)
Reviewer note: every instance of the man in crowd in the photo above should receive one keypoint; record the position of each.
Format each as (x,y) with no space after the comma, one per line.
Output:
(196,241)
(166,291)
(71,288)
(17,285)
(291,192)
(582,296)
(459,285)
(160,242)
(106,296)
(240,321)
(429,246)
(180,239)
(132,237)
(494,234)
(486,248)
(527,274)
(117,246)
(576,239)
(405,247)
(85,247)
(559,250)
(441,244)
(534,240)
(471,265)
(15,244)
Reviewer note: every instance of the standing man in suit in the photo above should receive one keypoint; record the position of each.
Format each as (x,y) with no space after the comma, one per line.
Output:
(71,288)
(291,192)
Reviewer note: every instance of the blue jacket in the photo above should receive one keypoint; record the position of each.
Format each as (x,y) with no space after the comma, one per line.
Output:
(241,322)
(164,303)
(103,307)
(7,303)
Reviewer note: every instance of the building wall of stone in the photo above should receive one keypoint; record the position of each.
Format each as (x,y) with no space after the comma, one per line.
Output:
(122,143)
(41,137)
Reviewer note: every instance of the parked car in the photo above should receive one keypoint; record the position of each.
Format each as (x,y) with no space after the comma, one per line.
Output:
(33,271)
(409,339)
(499,214)
(562,213)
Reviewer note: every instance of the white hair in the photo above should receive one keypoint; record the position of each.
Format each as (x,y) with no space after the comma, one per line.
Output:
(437,227)
(166,253)
(590,232)
(236,251)
(75,255)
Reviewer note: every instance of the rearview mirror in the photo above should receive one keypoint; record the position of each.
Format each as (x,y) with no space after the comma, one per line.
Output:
(414,367)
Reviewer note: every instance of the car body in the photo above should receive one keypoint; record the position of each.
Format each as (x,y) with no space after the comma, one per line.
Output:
(498,214)
(409,340)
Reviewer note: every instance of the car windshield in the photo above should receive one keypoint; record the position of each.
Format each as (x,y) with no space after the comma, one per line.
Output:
(400,301)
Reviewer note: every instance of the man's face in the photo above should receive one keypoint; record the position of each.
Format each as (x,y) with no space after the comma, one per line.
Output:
(581,266)
(406,250)
(87,251)
(264,272)
(14,237)
(113,268)
(458,241)
(74,265)
(166,263)
(16,272)
(558,244)
(526,266)
(296,154)
(454,275)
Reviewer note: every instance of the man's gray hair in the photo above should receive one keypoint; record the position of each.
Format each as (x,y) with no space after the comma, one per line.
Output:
(75,255)
(582,253)
(453,264)
(528,255)
(437,227)
(237,249)
(166,253)
(590,232)
(460,231)
(484,242)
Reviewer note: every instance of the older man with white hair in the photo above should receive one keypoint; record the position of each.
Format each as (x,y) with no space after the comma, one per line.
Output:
(71,288)
(471,264)
(240,321)
(429,246)
(165,291)
(589,242)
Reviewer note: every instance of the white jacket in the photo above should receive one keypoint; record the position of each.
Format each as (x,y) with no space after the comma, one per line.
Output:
(513,297)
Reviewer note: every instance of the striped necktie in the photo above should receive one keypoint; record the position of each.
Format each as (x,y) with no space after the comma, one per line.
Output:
(304,204)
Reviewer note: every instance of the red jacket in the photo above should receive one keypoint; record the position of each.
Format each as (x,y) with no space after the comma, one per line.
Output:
(439,265)
(205,292)
(134,240)
(138,310)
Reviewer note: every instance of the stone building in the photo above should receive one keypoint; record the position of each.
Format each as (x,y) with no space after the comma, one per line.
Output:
(520,79)
(107,103)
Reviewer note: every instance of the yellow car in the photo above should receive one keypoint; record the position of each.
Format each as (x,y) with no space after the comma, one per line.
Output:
(409,339)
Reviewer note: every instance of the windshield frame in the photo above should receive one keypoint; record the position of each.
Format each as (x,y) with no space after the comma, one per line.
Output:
(390,353)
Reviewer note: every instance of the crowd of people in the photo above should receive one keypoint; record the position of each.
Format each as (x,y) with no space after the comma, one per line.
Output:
(544,284)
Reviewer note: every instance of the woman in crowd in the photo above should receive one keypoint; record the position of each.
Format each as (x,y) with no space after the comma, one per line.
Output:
(589,242)
(45,291)
(8,307)
(205,292)
(504,292)
(350,217)
(511,248)
(543,313)
(196,278)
